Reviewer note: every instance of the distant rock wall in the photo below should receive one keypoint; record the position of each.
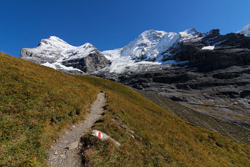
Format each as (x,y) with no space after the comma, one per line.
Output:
(92,62)
(27,54)
(230,49)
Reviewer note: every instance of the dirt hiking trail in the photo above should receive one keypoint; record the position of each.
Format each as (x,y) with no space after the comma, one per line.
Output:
(65,151)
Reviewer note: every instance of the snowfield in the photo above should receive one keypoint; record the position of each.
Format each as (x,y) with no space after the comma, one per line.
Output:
(208,48)
(149,48)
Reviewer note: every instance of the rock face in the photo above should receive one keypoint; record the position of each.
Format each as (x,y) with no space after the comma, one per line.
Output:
(56,53)
(222,93)
(225,51)
(26,54)
(91,63)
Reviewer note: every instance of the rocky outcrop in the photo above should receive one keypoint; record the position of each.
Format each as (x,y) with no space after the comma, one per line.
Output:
(231,49)
(29,55)
(103,136)
(91,63)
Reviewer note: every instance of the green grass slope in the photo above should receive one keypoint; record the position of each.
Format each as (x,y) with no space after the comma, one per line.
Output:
(37,102)
(151,136)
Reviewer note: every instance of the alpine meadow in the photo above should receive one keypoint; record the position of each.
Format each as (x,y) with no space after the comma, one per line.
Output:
(37,103)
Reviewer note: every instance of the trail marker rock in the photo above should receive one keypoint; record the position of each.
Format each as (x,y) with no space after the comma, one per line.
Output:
(103,137)
(100,135)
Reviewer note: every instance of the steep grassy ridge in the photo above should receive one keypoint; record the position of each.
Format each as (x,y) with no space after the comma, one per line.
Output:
(35,103)
(159,138)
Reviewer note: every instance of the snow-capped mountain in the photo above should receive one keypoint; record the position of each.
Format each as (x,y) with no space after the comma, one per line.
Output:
(245,31)
(49,50)
(145,46)
(56,53)
(149,49)
(192,67)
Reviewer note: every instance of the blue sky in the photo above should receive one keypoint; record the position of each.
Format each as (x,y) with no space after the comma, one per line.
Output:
(110,24)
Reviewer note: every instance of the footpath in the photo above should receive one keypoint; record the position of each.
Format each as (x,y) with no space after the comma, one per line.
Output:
(65,151)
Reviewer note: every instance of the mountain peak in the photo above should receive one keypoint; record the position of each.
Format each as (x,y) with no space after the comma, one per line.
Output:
(245,31)
(54,38)
(148,33)
(87,45)
(54,41)
(190,33)
(54,50)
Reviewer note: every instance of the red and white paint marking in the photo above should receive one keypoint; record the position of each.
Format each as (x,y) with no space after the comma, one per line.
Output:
(103,136)
(98,134)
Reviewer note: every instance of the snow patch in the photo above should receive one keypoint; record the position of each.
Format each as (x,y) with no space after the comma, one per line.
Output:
(245,31)
(50,65)
(58,65)
(208,48)
(112,54)
(189,34)
(144,46)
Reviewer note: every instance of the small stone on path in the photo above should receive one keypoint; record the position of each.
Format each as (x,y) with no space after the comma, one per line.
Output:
(73,145)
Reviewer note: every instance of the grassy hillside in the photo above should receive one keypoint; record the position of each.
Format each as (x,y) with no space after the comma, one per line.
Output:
(159,138)
(37,102)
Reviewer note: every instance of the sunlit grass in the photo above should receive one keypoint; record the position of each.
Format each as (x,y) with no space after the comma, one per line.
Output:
(160,139)
(37,102)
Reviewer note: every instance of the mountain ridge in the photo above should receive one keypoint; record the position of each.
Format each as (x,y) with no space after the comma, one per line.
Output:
(151,47)
(58,54)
